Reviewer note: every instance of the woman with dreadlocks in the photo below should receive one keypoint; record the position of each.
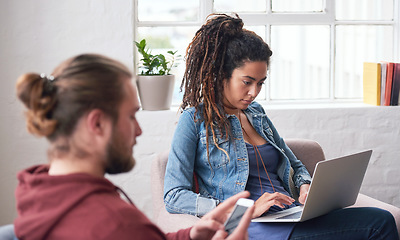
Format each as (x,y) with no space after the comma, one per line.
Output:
(225,143)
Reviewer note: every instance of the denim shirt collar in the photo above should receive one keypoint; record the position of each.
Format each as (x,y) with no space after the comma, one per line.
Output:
(250,113)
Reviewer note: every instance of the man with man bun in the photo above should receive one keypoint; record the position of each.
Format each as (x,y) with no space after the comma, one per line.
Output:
(87,111)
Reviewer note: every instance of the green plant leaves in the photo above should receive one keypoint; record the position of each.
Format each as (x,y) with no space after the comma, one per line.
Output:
(154,64)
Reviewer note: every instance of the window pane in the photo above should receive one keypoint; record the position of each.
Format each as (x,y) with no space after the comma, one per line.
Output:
(163,39)
(298,6)
(300,62)
(355,45)
(168,10)
(240,5)
(364,9)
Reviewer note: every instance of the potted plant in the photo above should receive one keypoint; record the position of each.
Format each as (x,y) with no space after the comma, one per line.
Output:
(155,83)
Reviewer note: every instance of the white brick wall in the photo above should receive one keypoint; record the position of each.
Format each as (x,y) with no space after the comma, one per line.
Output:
(346,130)
(339,130)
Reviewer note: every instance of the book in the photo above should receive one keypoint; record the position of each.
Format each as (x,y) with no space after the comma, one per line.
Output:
(383,82)
(372,83)
(394,101)
(389,81)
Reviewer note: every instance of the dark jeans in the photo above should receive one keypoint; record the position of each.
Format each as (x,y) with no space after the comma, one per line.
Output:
(349,223)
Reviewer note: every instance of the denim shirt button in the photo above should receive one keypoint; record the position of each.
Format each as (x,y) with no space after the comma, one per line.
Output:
(283,150)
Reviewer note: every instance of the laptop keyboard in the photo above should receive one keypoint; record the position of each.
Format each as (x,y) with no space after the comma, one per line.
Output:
(295,215)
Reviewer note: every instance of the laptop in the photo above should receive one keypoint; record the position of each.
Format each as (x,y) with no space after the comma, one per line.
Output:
(335,185)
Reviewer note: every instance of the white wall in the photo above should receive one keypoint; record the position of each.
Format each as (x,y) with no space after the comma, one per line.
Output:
(37,35)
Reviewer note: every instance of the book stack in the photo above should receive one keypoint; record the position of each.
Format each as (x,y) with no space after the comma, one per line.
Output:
(381,83)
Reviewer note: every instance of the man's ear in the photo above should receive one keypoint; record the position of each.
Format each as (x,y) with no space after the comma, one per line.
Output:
(98,122)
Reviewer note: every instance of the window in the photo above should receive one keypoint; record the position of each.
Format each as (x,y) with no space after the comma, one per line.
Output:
(319,46)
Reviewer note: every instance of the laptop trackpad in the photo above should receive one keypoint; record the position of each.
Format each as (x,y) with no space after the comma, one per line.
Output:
(295,215)
(285,215)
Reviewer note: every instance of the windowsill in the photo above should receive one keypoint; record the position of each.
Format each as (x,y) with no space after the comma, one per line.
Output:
(335,105)
(309,105)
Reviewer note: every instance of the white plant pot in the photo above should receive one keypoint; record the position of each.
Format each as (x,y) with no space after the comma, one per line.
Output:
(156,91)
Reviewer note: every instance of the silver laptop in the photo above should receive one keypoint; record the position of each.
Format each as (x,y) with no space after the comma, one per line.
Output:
(335,184)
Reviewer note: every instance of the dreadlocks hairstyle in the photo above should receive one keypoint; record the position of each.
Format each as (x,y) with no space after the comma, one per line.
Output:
(219,46)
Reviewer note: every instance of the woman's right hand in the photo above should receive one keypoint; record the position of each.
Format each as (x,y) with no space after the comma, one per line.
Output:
(268,200)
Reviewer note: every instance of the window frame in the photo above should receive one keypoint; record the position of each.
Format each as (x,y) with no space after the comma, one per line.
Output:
(269,18)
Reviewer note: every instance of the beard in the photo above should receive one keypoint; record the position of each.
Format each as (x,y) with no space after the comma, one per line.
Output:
(119,157)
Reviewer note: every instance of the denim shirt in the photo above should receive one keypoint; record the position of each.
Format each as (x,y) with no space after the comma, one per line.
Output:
(226,171)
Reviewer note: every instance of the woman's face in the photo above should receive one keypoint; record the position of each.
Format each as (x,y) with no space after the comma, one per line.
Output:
(244,85)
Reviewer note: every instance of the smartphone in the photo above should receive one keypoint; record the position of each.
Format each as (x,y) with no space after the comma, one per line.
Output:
(234,218)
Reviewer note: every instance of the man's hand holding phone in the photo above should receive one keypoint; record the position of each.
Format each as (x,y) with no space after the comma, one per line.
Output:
(236,215)
(211,225)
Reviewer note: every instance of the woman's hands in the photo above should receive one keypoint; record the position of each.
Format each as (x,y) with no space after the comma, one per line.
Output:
(303,193)
(268,200)
(211,225)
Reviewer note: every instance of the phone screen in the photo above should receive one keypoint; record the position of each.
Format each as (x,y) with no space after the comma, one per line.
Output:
(236,215)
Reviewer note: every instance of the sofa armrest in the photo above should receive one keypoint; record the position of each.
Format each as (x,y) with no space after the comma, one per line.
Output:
(365,201)
(309,152)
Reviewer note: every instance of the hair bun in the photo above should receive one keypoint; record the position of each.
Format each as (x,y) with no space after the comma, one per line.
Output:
(226,26)
(232,26)
(38,97)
